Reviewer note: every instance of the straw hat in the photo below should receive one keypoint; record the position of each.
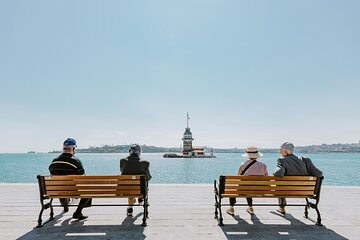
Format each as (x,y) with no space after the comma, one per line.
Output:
(252,152)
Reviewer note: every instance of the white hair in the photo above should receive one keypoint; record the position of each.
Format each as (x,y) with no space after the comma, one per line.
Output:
(289,151)
(69,149)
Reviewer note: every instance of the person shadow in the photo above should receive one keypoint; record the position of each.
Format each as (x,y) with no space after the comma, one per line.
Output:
(291,228)
(60,228)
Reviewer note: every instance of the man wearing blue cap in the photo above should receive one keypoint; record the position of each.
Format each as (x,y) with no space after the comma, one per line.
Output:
(132,165)
(68,164)
(291,165)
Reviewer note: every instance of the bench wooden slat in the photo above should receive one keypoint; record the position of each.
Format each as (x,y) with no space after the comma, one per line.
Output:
(270,187)
(262,192)
(269,183)
(99,196)
(89,177)
(75,182)
(79,193)
(267,196)
(80,187)
(269,178)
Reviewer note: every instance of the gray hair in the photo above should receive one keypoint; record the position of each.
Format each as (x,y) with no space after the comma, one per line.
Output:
(289,151)
(69,149)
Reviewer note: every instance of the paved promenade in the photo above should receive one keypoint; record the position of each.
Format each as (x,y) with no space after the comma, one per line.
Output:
(180,211)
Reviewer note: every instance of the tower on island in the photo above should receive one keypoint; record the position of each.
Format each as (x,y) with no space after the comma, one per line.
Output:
(189,151)
(187,138)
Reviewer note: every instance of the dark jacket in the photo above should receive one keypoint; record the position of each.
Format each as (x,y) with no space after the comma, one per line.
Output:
(66,164)
(134,165)
(292,165)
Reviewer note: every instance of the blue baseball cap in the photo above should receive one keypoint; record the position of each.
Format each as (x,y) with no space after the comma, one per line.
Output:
(70,142)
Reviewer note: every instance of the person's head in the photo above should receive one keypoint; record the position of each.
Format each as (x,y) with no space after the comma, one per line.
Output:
(69,146)
(286,148)
(135,149)
(252,153)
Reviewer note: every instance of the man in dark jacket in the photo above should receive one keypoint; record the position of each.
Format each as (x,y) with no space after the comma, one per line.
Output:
(68,164)
(133,165)
(291,165)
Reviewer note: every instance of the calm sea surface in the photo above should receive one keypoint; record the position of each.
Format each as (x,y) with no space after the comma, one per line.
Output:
(340,169)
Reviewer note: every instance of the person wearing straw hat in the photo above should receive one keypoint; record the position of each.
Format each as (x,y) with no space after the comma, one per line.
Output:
(248,168)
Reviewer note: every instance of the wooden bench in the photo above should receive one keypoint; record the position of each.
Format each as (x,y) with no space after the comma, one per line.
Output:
(306,187)
(81,186)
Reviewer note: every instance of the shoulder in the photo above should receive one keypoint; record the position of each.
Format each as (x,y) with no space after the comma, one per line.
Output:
(124,160)
(304,158)
(75,158)
(242,165)
(145,162)
(261,163)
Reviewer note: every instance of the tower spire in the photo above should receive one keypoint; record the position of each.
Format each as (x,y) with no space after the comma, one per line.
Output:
(187,120)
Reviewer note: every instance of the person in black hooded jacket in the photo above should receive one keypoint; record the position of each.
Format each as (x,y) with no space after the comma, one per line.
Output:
(133,165)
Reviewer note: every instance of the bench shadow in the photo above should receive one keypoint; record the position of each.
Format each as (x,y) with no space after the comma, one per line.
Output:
(255,228)
(76,229)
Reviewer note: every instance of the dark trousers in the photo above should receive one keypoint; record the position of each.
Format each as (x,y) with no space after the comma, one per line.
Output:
(84,203)
(282,202)
(233,201)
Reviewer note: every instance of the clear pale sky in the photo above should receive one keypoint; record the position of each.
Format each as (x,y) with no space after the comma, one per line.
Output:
(119,72)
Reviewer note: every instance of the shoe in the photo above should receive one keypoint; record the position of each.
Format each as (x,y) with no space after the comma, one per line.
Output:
(66,209)
(281,210)
(65,202)
(140,200)
(250,210)
(231,211)
(79,216)
(129,211)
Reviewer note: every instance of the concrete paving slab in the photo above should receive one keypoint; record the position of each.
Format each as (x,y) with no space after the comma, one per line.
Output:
(179,211)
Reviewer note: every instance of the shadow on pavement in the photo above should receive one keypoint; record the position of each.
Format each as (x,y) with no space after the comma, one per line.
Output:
(254,228)
(75,229)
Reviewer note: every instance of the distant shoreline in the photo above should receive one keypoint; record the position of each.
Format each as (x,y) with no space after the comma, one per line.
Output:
(323,148)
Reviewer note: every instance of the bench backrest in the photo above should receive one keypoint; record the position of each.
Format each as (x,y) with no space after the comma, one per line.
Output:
(269,186)
(80,186)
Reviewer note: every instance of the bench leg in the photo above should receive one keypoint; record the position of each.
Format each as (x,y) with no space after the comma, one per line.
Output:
(216,211)
(144,222)
(217,199)
(315,206)
(306,208)
(220,220)
(146,213)
(39,219)
(51,210)
(216,205)
(43,207)
(318,222)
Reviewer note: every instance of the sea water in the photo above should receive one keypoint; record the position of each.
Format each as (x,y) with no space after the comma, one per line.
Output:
(340,169)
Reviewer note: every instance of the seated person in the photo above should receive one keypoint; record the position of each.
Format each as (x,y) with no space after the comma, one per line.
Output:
(133,165)
(248,168)
(68,164)
(291,165)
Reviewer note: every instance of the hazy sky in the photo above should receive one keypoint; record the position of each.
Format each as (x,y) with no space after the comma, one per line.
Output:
(118,72)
